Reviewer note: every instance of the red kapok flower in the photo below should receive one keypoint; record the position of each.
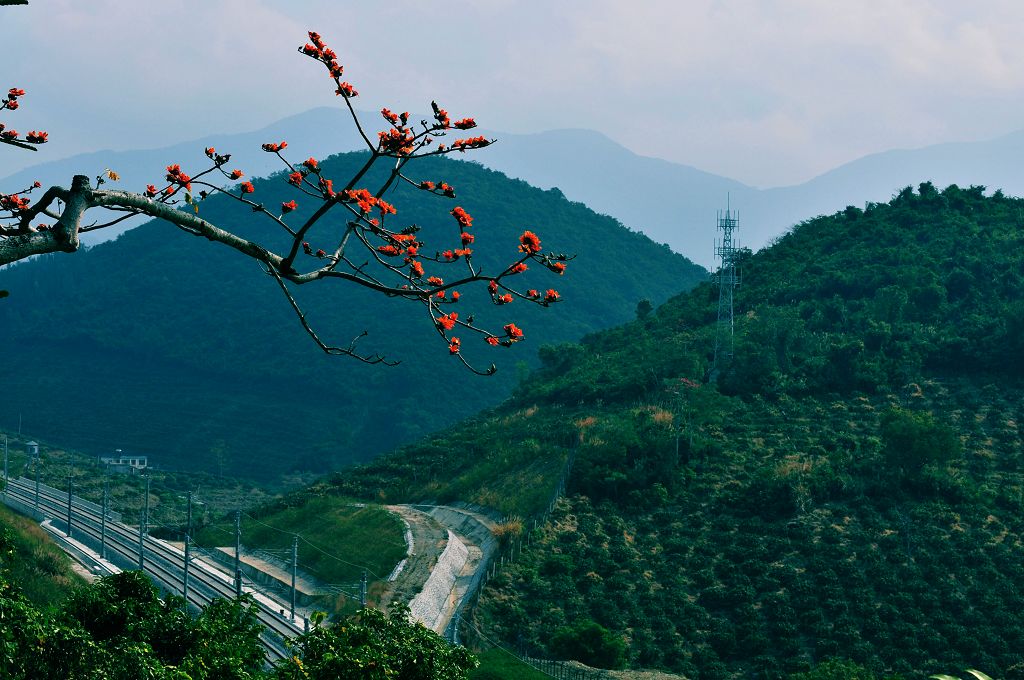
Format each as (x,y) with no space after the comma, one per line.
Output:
(288,207)
(311,163)
(416,269)
(551,295)
(273,148)
(453,346)
(492,286)
(456,295)
(295,178)
(390,251)
(491,340)
(518,268)
(464,219)
(464,124)
(435,281)
(210,151)
(557,267)
(467,238)
(505,299)
(447,321)
(513,331)
(35,137)
(529,243)
(247,187)
(236,174)
(150,190)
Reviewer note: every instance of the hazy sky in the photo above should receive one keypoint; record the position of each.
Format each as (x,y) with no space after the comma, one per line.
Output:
(769,92)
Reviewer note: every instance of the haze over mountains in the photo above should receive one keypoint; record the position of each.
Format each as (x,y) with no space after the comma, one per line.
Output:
(670,202)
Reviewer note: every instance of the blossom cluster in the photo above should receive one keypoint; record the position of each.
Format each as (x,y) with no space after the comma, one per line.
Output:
(394,261)
(11,136)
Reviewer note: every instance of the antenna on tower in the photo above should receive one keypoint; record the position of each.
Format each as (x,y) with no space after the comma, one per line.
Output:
(728,276)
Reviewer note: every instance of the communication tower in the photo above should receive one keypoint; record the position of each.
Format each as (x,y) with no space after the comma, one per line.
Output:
(728,276)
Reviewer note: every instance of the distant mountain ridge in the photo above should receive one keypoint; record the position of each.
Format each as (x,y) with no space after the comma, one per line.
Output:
(671,202)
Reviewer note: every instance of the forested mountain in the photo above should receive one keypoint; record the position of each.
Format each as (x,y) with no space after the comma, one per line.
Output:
(163,344)
(851,487)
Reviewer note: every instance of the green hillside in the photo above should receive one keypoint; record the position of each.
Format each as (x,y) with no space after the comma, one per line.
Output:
(166,345)
(851,487)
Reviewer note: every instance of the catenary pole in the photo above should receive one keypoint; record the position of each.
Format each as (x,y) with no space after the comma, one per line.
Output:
(103,523)
(188,537)
(238,553)
(144,523)
(295,569)
(69,505)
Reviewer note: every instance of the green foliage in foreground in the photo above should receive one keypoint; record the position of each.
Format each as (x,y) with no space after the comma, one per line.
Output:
(375,646)
(120,629)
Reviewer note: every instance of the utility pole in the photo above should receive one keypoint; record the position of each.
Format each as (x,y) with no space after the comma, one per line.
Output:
(362,591)
(295,569)
(103,523)
(728,278)
(144,523)
(69,505)
(5,466)
(238,553)
(188,532)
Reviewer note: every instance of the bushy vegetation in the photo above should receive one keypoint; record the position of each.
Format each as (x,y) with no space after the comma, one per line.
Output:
(120,629)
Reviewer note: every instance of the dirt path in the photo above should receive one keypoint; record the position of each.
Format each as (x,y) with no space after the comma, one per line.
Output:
(428,541)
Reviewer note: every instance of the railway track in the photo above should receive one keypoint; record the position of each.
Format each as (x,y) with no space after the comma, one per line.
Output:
(162,562)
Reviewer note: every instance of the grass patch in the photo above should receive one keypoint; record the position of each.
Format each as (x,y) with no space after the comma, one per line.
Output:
(338,538)
(35,564)
(497,664)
